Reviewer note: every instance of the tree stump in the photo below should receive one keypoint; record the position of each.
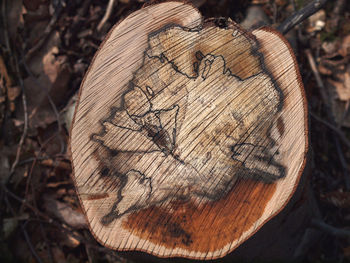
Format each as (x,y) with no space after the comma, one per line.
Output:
(188,136)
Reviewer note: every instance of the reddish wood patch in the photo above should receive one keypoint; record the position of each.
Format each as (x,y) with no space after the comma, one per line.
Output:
(189,226)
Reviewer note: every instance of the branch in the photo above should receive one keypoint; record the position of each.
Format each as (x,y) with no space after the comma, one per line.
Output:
(25,113)
(337,11)
(107,14)
(300,16)
(47,32)
(338,131)
(337,232)
(330,115)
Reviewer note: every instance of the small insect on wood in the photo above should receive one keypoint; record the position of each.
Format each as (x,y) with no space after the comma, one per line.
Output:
(188,136)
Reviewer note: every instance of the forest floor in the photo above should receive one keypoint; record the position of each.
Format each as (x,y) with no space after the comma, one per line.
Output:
(46,47)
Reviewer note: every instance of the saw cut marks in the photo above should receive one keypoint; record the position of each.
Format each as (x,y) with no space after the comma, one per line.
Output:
(189,125)
(188,136)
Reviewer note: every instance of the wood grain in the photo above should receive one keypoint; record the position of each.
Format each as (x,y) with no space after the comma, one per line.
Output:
(188,136)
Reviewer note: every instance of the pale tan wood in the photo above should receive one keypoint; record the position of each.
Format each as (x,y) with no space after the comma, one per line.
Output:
(175,118)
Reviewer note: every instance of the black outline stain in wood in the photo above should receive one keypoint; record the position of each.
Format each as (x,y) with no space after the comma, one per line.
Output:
(142,180)
(152,125)
(177,232)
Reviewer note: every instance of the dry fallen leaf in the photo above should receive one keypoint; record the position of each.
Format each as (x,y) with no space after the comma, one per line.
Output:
(58,255)
(342,113)
(3,72)
(260,2)
(52,76)
(32,5)
(255,17)
(330,47)
(4,167)
(36,94)
(345,46)
(69,241)
(67,113)
(12,94)
(14,16)
(316,22)
(342,85)
(65,213)
(10,224)
(5,82)
(340,96)
(336,66)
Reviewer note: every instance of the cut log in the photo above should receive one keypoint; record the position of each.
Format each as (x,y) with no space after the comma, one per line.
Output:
(188,136)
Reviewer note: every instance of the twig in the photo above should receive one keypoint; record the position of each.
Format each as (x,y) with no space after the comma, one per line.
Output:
(331,118)
(46,34)
(300,16)
(57,164)
(29,243)
(23,201)
(341,135)
(107,15)
(88,253)
(48,161)
(28,182)
(49,250)
(53,164)
(302,39)
(25,128)
(343,163)
(304,244)
(52,104)
(65,228)
(42,39)
(275,12)
(104,250)
(4,20)
(337,10)
(31,159)
(26,237)
(337,232)
(318,78)
(24,99)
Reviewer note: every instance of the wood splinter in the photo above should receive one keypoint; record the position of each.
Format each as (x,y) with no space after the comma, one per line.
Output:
(188,136)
